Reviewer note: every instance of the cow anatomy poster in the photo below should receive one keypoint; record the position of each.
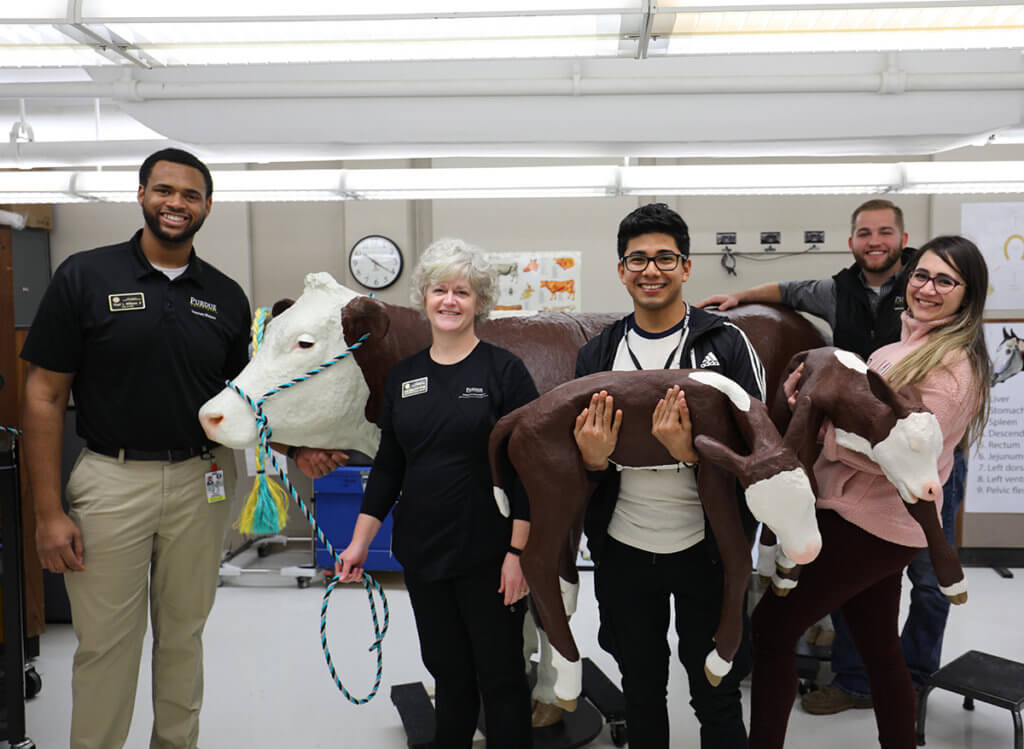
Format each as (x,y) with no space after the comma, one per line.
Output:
(538,280)
(998,230)
(995,472)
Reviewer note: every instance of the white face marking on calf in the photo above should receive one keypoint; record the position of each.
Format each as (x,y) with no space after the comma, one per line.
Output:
(785,503)
(327,410)
(854,442)
(739,397)
(851,361)
(909,455)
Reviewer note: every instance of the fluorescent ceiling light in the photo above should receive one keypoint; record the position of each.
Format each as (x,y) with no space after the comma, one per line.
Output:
(760,179)
(931,178)
(406,39)
(41,45)
(241,9)
(497,182)
(34,10)
(963,177)
(846,29)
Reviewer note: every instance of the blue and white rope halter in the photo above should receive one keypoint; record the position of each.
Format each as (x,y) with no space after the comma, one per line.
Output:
(371,585)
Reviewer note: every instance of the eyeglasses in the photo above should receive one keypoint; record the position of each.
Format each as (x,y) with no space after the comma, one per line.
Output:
(637,262)
(942,283)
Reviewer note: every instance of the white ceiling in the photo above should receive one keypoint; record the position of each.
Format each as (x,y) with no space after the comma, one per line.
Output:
(630,96)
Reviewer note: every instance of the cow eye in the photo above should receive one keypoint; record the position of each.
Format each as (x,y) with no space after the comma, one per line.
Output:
(306,341)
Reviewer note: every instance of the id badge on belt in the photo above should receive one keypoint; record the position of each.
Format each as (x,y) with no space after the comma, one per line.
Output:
(215,485)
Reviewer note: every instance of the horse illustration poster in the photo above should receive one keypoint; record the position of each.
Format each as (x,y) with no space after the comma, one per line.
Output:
(998,230)
(538,280)
(995,474)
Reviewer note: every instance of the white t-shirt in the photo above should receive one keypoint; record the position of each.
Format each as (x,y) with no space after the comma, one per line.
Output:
(658,509)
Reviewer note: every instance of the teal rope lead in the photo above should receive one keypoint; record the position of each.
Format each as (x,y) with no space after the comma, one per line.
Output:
(369,583)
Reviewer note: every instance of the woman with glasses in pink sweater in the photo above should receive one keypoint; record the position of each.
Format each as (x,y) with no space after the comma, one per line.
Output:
(868,537)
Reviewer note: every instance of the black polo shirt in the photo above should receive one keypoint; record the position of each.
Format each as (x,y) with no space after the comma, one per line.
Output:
(146,351)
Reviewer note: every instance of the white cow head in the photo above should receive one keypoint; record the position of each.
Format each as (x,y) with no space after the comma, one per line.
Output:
(327,410)
(785,503)
(909,454)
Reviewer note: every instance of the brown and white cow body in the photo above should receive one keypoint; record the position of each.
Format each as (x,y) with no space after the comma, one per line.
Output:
(734,435)
(890,427)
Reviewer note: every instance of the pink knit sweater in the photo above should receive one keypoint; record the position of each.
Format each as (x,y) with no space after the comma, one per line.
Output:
(854,486)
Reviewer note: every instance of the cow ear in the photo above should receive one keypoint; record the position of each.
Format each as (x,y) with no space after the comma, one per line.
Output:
(280,306)
(362,316)
(715,452)
(882,390)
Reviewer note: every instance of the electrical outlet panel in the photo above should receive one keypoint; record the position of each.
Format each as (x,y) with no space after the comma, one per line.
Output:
(725,237)
(814,237)
(771,237)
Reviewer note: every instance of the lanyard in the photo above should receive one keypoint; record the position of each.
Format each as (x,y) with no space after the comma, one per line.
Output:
(672,354)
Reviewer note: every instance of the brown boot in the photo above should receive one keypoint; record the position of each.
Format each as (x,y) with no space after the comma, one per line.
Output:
(830,700)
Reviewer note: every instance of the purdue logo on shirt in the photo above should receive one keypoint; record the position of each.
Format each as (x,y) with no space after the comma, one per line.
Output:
(203,308)
(126,302)
(414,387)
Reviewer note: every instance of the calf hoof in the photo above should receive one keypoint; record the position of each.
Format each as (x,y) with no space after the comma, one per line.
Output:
(958,599)
(713,680)
(545,715)
(568,705)
(780,592)
(765,580)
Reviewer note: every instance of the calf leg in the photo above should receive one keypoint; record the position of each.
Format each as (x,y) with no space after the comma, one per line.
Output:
(717,489)
(944,558)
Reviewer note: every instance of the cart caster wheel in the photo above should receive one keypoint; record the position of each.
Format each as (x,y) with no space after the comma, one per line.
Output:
(33,683)
(804,686)
(303,582)
(619,734)
(263,550)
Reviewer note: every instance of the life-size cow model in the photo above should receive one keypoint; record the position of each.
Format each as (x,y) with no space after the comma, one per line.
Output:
(734,434)
(890,427)
(338,407)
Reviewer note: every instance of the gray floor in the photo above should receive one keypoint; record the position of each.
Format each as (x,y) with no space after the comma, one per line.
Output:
(267,684)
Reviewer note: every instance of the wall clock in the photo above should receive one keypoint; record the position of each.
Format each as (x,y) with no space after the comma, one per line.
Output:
(375,262)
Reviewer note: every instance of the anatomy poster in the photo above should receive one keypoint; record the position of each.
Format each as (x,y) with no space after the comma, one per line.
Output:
(538,280)
(998,230)
(995,472)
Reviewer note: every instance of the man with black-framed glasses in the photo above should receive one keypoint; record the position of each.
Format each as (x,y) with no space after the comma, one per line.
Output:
(863,304)
(646,528)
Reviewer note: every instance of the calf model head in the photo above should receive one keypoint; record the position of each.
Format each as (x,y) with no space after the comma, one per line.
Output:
(325,411)
(908,452)
(775,484)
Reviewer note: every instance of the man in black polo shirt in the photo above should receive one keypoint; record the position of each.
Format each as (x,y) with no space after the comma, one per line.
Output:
(863,304)
(143,333)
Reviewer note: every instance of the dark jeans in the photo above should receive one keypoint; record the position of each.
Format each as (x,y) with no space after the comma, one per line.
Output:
(472,644)
(633,590)
(929,608)
(862,575)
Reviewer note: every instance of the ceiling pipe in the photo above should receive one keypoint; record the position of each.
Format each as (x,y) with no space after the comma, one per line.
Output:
(888,81)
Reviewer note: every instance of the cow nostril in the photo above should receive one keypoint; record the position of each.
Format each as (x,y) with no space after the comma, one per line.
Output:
(212,420)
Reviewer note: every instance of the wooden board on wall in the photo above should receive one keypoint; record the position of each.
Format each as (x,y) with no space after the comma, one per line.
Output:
(13,371)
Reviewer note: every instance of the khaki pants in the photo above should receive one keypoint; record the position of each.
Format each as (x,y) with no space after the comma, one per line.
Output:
(151,538)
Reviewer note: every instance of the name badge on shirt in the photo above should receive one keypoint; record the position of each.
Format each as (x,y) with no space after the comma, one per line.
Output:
(414,387)
(126,302)
(215,486)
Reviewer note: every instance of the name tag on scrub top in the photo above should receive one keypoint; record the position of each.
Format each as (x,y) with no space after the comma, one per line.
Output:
(215,485)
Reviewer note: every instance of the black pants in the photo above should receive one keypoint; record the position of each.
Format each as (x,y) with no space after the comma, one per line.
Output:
(633,590)
(472,644)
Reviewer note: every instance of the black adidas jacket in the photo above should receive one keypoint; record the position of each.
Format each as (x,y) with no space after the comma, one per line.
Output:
(709,337)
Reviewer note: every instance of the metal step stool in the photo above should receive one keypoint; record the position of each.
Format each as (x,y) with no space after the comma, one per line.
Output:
(979,676)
